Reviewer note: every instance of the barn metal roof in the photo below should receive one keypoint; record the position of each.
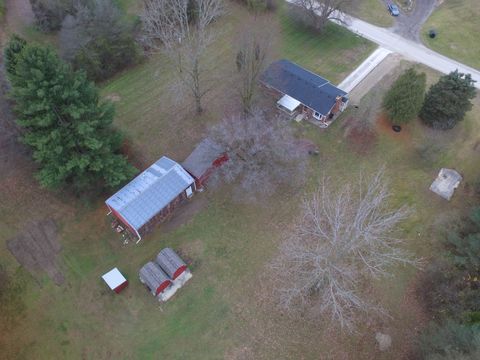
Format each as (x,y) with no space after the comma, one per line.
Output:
(202,158)
(169,261)
(302,85)
(151,191)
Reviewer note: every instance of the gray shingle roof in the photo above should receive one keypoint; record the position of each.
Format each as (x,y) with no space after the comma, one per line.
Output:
(151,191)
(202,158)
(310,89)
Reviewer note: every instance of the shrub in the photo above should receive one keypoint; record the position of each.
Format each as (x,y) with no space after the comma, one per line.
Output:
(99,39)
(49,14)
(449,341)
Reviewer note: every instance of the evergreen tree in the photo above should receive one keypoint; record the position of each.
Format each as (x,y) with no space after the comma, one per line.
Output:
(67,127)
(13,48)
(405,98)
(448,101)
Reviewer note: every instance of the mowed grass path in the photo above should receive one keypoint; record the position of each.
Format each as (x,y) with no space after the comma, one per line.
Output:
(458,26)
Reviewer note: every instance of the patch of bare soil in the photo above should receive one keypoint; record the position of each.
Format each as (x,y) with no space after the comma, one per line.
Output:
(186,212)
(19,15)
(37,247)
(384,126)
(361,137)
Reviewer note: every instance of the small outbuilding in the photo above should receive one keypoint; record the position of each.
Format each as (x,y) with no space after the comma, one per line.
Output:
(446,183)
(171,263)
(151,197)
(203,161)
(115,280)
(154,278)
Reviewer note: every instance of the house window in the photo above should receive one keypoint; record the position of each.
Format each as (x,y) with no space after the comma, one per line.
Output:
(316,115)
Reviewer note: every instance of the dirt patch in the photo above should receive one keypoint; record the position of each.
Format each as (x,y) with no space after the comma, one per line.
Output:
(19,15)
(185,213)
(360,135)
(384,126)
(306,147)
(37,248)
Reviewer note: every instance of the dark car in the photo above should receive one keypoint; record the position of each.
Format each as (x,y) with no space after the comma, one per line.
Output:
(393,9)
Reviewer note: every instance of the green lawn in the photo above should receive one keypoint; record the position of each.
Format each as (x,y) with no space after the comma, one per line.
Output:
(457,23)
(221,312)
(373,11)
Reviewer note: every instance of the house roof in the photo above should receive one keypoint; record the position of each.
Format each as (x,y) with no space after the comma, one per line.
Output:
(151,191)
(304,86)
(114,278)
(169,261)
(202,158)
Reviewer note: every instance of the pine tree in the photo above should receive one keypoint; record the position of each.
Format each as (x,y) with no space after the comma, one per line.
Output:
(405,98)
(448,101)
(67,127)
(12,50)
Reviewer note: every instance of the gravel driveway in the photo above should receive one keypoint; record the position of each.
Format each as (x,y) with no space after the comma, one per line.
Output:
(410,24)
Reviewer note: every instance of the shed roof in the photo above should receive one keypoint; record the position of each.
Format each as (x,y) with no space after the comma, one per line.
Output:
(446,183)
(202,158)
(151,191)
(288,102)
(169,261)
(114,278)
(153,276)
(302,85)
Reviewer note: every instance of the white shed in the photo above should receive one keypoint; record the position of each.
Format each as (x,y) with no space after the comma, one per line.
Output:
(446,183)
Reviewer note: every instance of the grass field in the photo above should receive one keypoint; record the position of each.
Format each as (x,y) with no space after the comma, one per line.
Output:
(457,23)
(373,11)
(82,319)
(222,313)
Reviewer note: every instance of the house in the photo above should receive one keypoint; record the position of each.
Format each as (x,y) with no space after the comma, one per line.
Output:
(446,183)
(115,280)
(154,278)
(203,161)
(304,93)
(151,197)
(171,263)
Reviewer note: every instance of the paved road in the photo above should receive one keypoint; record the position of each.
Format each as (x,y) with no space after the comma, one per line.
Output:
(410,24)
(411,50)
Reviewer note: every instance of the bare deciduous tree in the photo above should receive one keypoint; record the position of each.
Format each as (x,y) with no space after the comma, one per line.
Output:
(317,13)
(263,154)
(252,56)
(345,238)
(181,29)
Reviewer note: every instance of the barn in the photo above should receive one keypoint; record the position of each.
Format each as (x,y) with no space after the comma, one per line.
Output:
(171,263)
(203,161)
(115,280)
(154,278)
(151,197)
